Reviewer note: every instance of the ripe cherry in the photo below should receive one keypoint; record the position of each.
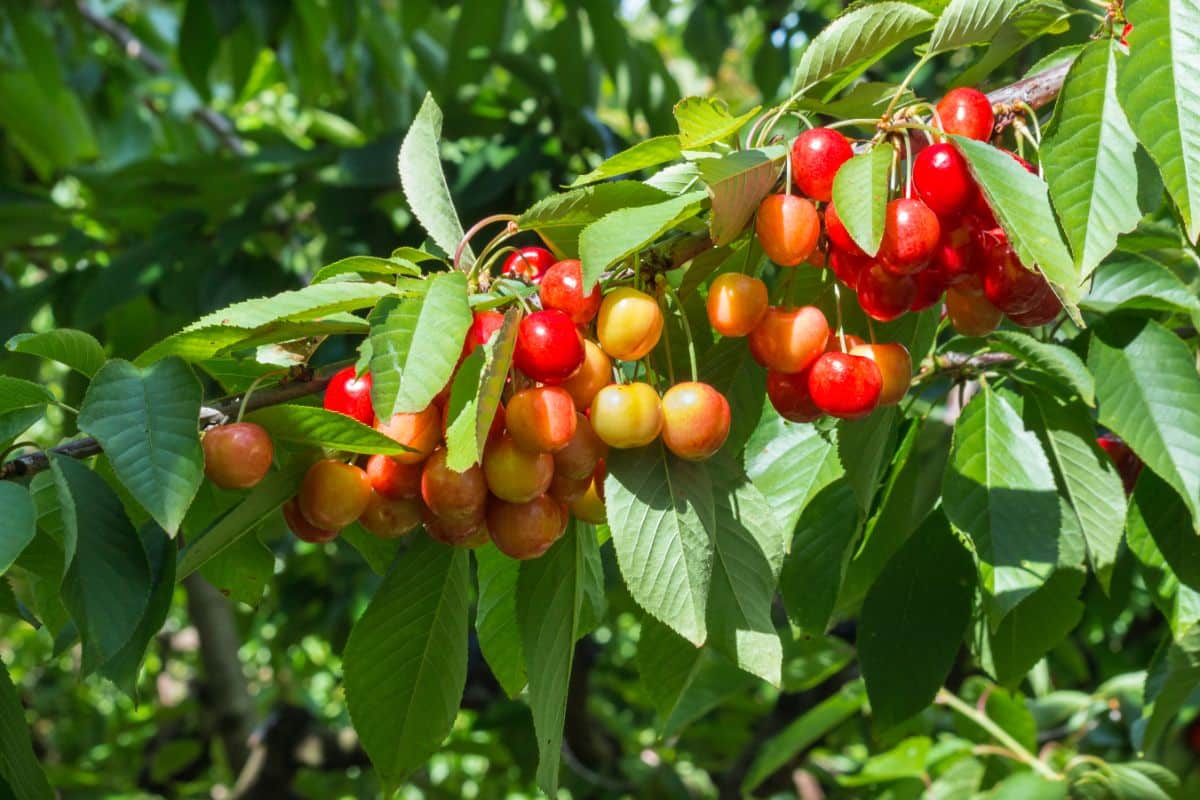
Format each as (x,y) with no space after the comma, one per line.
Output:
(788,228)
(1045,311)
(562,288)
(526,530)
(1009,285)
(788,393)
(967,112)
(884,296)
(931,283)
(393,480)
(350,395)
(817,155)
(834,345)
(839,237)
(627,415)
(695,420)
(333,494)
(630,323)
(514,474)
(484,325)
(530,263)
(579,458)
(541,419)
(567,490)
(456,533)
(957,254)
(391,519)
(419,432)
(942,180)
(845,385)
(736,303)
(305,530)
(449,495)
(910,234)
(789,339)
(590,507)
(848,268)
(237,456)
(971,314)
(549,348)
(594,374)
(895,367)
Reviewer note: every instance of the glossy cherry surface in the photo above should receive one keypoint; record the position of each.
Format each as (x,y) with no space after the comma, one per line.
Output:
(845,385)
(514,474)
(302,528)
(484,325)
(419,432)
(350,395)
(549,348)
(390,519)
(839,237)
(530,263)
(736,303)
(393,480)
(630,323)
(817,154)
(884,296)
(971,314)
(789,339)
(594,374)
(541,419)
(967,112)
(334,494)
(895,369)
(450,495)
(788,393)
(562,288)
(942,180)
(696,420)
(627,415)
(238,455)
(910,233)
(788,228)
(526,530)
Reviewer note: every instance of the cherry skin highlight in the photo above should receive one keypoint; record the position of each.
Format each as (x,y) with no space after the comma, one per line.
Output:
(817,154)
(627,415)
(845,385)
(696,420)
(736,303)
(237,456)
(884,296)
(789,339)
(530,263)
(967,112)
(630,324)
(562,288)
(549,348)
(942,180)
(910,235)
(333,494)
(350,395)
(788,228)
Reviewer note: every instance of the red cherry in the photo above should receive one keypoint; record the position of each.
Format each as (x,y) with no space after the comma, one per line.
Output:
(530,263)
(848,267)
(957,254)
(1009,285)
(910,234)
(942,180)
(931,283)
(305,530)
(1046,310)
(788,392)
(392,480)
(484,325)
(817,154)
(967,112)
(562,288)
(788,228)
(1129,466)
(237,456)
(844,385)
(971,314)
(884,296)
(1030,168)
(838,235)
(549,348)
(789,339)
(350,395)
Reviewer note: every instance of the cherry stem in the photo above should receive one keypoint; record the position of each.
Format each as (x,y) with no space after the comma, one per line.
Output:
(841,330)
(474,229)
(667,347)
(486,256)
(687,328)
(846,123)
(908,165)
(912,74)
(66,407)
(870,329)
(249,391)
(996,732)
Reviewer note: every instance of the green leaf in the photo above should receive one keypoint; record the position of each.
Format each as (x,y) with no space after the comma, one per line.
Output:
(18,395)
(1088,158)
(108,581)
(1032,20)
(1173,676)
(737,183)
(1149,395)
(999,489)
(146,422)
(559,219)
(858,38)
(50,129)
(18,524)
(863,446)
(1057,361)
(78,350)
(1038,624)
(496,618)
(19,767)
(705,120)
(378,553)
(465,440)
(646,153)
(619,234)
(661,512)
(729,368)
(415,346)
(1161,513)
(1128,281)
(198,44)
(913,621)
(905,760)
(406,659)
(1029,786)
(1179,603)
(424,183)
(369,265)
(790,464)
(821,547)
(967,22)
(241,571)
(1152,84)
(122,669)
(316,426)
(860,193)
(1022,205)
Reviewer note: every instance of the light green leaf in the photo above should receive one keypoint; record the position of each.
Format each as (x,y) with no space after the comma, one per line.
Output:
(316,426)
(368,265)
(646,153)
(860,193)
(1029,786)
(78,350)
(967,22)
(1032,20)
(19,767)
(474,403)
(865,34)
(905,760)
(496,618)
(18,523)
(737,183)
(17,394)
(863,446)
(790,464)
(424,183)
(705,120)
(821,547)
(1128,281)
(146,422)
(1057,361)
(560,218)
(619,234)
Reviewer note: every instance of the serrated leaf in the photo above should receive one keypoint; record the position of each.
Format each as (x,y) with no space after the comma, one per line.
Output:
(999,489)
(1163,515)
(18,523)
(406,659)
(863,446)
(660,512)
(860,193)
(78,350)
(1022,205)
(864,34)
(472,417)
(368,265)
(560,218)
(646,153)
(416,344)
(496,618)
(1088,158)
(20,770)
(821,547)
(1057,361)
(1160,101)
(1129,281)
(1148,393)
(729,368)
(463,442)
(737,183)
(967,22)
(704,120)
(1038,624)
(424,183)
(316,426)
(790,464)
(1179,603)
(619,234)
(146,422)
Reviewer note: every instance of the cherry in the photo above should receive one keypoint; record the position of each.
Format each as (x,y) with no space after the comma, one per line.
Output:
(1008,284)
(817,155)
(237,456)
(419,432)
(568,490)
(1045,311)
(562,288)
(736,303)
(967,112)
(484,325)
(910,234)
(390,519)
(834,345)
(549,348)
(971,314)
(449,495)
(541,419)
(579,458)
(848,267)
(789,339)
(839,237)
(526,530)
(350,395)
(845,385)
(942,180)
(593,375)
(514,474)
(530,263)
(695,420)
(456,533)
(788,393)
(630,323)
(1129,466)
(957,254)
(590,507)
(884,296)
(393,480)
(305,530)
(788,228)
(627,415)
(333,494)
(895,367)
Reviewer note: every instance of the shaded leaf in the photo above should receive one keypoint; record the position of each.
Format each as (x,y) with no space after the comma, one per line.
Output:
(496,618)
(646,153)
(812,573)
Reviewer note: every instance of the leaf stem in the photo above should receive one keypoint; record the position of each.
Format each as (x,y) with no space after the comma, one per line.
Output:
(687,328)
(474,229)
(250,390)
(841,331)
(912,74)
(996,732)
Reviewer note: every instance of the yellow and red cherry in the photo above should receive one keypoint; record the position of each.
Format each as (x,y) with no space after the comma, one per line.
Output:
(817,155)
(450,495)
(630,324)
(942,180)
(789,395)
(910,234)
(334,494)
(237,456)
(695,420)
(541,419)
(736,303)
(350,394)
(971,314)
(302,528)
(788,228)
(526,530)
(484,325)
(789,339)
(590,507)
(594,374)
(514,474)
(967,112)
(393,480)
(562,288)
(627,415)
(1008,285)
(419,432)
(461,532)
(895,368)
(390,519)
(530,263)
(884,296)
(1044,312)
(579,458)
(844,385)
(567,490)
(549,348)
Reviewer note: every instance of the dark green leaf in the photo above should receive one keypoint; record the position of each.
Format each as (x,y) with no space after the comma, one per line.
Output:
(78,350)
(18,523)
(1038,624)
(19,766)
(241,571)
(1160,512)
(863,446)
(496,618)
(122,669)
(1173,676)
(812,573)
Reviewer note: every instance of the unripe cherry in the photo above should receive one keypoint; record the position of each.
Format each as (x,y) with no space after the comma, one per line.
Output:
(590,507)
(514,474)
(627,415)
(845,385)
(817,154)
(696,420)
(237,456)
(788,228)
(390,519)
(334,494)
(562,288)
(736,303)
(630,323)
